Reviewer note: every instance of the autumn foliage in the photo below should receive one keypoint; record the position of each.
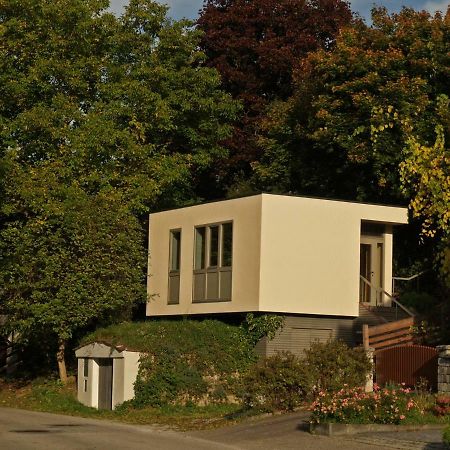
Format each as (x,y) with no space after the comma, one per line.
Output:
(255,46)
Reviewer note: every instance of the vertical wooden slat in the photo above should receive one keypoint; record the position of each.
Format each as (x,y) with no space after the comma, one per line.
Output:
(407,364)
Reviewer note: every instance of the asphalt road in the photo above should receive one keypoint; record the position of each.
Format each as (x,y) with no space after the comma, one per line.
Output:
(26,430)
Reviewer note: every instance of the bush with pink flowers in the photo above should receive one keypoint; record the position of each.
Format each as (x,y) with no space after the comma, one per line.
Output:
(353,405)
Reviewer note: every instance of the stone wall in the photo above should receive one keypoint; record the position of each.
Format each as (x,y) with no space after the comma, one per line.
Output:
(444,369)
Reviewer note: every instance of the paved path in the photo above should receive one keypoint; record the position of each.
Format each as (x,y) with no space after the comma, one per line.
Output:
(26,430)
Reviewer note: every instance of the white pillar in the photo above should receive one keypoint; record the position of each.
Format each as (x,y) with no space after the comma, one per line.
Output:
(387,264)
(369,380)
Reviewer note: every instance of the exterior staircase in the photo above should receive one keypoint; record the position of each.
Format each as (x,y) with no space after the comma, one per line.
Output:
(375,315)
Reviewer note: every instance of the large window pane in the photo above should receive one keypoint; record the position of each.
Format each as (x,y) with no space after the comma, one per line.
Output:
(200,248)
(227,244)
(213,246)
(175,250)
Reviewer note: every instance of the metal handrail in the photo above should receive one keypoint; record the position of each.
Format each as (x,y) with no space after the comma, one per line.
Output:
(412,277)
(391,297)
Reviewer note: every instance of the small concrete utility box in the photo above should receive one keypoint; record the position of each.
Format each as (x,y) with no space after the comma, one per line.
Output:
(106,374)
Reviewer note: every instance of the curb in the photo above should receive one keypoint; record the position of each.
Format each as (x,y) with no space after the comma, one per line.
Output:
(340,429)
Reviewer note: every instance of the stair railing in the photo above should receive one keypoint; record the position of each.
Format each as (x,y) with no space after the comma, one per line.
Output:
(391,297)
(412,277)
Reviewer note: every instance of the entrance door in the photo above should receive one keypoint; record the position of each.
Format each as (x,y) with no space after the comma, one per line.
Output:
(371,268)
(105,376)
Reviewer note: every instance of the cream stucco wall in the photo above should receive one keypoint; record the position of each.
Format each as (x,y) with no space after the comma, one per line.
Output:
(130,371)
(310,253)
(290,254)
(246,216)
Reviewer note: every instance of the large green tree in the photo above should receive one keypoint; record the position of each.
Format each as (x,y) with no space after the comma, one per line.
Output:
(342,132)
(102,119)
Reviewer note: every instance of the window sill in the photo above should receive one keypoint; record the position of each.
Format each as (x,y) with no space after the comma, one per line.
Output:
(215,300)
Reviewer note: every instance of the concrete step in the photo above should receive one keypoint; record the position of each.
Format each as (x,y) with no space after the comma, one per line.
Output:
(375,315)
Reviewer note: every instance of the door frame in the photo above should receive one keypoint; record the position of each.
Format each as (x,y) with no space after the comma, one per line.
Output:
(376,266)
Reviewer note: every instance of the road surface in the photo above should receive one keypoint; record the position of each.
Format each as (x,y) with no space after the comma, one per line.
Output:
(29,430)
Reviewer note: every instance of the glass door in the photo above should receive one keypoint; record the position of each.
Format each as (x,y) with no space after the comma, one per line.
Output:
(371,268)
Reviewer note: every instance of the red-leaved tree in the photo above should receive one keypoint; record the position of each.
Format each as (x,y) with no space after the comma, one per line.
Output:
(255,45)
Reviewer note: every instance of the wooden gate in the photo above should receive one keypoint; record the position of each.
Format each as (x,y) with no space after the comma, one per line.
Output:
(406,364)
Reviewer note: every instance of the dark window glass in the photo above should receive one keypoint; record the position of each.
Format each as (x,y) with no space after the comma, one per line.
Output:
(86,367)
(213,246)
(200,247)
(227,244)
(175,250)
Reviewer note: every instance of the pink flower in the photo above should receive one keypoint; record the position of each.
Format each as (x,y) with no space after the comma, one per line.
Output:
(402,417)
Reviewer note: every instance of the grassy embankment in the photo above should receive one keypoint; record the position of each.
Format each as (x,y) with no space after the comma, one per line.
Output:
(51,396)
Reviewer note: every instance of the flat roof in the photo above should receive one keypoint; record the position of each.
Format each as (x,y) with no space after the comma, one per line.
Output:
(206,202)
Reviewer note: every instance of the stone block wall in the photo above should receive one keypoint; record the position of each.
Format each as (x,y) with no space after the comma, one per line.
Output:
(444,369)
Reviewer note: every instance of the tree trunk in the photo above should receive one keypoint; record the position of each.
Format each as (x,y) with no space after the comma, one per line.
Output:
(60,357)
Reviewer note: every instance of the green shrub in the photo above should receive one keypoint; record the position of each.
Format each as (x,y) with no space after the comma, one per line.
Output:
(184,361)
(279,382)
(262,325)
(284,381)
(353,405)
(334,364)
(446,437)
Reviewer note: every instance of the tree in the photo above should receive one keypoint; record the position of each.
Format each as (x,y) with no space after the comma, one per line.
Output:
(102,119)
(255,45)
(74,260)
(326,138)
(425,177)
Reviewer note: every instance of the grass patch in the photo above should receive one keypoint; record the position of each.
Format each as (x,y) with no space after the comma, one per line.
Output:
(51,396)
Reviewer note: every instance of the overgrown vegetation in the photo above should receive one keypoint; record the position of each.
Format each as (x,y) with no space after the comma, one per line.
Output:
(284,381)
(183,361)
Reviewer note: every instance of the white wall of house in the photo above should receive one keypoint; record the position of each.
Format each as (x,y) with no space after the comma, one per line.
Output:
(310,253)
(246,216)
(290,254)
